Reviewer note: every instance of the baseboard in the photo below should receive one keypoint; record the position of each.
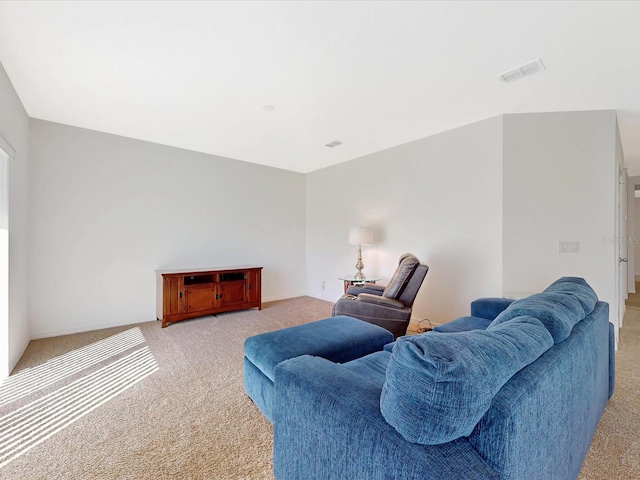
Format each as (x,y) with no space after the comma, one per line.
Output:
(333,300)
(71,331)
(91,328)
(282,297)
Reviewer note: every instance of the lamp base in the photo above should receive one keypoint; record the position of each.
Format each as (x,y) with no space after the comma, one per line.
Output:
(359,265)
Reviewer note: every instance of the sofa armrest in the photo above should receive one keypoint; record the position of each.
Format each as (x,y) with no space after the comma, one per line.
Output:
(384,301)
(327,424)
(489,308)
(367,288)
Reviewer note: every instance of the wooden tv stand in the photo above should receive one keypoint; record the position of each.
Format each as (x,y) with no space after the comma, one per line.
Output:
(183,294)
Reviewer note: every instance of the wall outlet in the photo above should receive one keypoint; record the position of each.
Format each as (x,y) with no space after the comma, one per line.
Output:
(572,246)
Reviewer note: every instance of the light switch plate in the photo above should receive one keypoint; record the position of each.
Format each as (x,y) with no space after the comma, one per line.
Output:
(568,246)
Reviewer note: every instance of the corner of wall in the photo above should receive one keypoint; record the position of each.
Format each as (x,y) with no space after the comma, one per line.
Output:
(14,126)
(17,355)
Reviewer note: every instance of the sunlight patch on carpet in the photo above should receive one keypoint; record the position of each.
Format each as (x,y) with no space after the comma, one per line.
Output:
(33,379)
(33,423)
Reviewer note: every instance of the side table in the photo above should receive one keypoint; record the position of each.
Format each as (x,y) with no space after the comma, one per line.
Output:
(350,280)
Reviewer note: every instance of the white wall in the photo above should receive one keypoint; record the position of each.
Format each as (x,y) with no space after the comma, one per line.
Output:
(107,211)
(484,205)
(439,197)
(560,180)
(14,127)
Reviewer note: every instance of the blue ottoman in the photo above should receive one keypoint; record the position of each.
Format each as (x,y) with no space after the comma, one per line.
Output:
(339,339)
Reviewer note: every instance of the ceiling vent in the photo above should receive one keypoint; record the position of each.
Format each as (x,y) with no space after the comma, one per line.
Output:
(527,69)
(335,143)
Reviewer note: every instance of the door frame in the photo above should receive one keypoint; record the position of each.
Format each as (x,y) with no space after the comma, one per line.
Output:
(7,153)
(622,258)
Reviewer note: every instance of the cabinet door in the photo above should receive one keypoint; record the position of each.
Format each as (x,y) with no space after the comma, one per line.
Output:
(200,298)
(253,286)
(232,293)
(172,296)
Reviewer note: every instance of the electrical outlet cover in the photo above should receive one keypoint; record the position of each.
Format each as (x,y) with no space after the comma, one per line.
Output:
(568,246)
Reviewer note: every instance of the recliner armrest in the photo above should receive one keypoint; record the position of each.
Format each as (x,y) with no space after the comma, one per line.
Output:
(367,288)
(373,286)
(383,301)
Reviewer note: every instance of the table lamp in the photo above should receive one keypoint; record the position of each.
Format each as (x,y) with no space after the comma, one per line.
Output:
(360,236)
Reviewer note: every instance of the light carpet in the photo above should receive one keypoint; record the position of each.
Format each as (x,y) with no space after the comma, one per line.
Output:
(190,419)
(187,416)
(615,448)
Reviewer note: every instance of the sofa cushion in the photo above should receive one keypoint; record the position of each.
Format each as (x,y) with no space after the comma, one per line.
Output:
(439,385)
(408,264)
(577,287)
(559,312)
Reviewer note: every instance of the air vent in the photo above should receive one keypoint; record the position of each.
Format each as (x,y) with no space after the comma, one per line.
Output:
(335,143)
(529,68)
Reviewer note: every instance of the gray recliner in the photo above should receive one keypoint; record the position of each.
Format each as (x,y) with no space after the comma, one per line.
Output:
(390,306)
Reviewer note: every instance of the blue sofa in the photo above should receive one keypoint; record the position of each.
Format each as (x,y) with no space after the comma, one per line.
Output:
(514,391)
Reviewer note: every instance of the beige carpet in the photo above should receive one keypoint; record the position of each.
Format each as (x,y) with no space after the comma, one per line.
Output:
(615,449)
(634,298)
(190,419)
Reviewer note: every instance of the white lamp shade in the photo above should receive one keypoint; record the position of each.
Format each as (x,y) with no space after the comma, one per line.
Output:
(360,236)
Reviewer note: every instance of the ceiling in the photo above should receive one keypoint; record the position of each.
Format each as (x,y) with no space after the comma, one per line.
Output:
(371,75)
